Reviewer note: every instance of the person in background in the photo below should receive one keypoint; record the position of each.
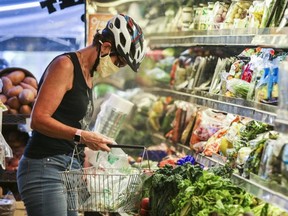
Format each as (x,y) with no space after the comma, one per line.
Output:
(63,101)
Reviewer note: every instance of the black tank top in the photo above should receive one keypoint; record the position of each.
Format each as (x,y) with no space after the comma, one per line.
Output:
(71,111)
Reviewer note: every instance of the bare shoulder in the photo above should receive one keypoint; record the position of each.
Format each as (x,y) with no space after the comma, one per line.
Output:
(62,62)
(60,71)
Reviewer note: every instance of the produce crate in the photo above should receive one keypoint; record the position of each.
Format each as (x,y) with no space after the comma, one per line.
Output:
(20,209)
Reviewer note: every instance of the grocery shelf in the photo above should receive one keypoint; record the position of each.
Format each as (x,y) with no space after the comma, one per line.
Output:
(213,161)
(272,37)
(7,176)
(257,189)
(260,112)
(10,119)
(194,38)
(268,37)
(255,186)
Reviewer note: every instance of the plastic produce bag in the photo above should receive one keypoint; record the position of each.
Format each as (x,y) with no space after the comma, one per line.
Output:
(256,12)
(218,14)
(270,6)
(207,123)
(109,189)
(111,117)
(115,159)
(239,88)
(212,146)
(5,151)
(267,88)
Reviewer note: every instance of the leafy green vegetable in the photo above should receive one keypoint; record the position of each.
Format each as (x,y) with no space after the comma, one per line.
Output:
(252,129)
(252,164)
(163,186)
(211,193)
(224,171)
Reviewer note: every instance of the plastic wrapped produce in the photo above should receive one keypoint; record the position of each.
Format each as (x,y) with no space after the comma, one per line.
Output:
(236,69)
(270,165)
(259,61)
(202,16)
(284,166)
(270,6)
(187,17)
(267,89)
(237,14)
(196,22)
(206,14)
(207,123)
(239,88)
(218,14)
(214,142)
(283,87)
(256,12)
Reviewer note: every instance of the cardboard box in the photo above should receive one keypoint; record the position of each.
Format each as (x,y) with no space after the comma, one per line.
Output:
(20,209)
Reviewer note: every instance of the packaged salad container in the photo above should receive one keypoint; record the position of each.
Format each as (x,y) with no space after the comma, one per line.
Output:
(219,13)
(237,15)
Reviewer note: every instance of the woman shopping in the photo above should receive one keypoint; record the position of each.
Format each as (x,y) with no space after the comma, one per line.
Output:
(63,101)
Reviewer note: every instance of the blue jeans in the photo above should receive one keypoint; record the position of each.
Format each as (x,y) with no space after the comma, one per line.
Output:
(40,186)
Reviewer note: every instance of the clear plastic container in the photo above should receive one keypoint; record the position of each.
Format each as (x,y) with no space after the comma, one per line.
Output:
(187,17)
(219,13)
(203,25)
(237,15)
(198,12)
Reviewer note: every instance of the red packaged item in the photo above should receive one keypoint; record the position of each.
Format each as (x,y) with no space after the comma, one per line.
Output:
(247,73)
(208,122)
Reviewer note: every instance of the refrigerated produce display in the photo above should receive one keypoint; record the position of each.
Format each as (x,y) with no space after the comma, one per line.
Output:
(210,93)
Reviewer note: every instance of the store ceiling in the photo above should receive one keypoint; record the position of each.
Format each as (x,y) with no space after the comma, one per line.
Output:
(27,19)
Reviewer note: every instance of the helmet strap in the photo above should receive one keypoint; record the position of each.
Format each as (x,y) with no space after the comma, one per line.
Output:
(96,63)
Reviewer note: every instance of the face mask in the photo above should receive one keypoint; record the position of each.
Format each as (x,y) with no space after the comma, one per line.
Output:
(106,67)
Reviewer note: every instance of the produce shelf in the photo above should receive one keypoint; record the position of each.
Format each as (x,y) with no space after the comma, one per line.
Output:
(268,37)
(260,112)
(272,37)
(7,176)
(262,192)
(269,192)
(194,38)
(9,119)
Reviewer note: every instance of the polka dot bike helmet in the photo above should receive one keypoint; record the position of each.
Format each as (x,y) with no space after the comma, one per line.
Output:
(129,39)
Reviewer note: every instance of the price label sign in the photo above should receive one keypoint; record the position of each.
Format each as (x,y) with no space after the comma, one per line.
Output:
(95,22)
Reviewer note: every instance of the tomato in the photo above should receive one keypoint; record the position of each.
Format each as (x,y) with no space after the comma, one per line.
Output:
(145,203)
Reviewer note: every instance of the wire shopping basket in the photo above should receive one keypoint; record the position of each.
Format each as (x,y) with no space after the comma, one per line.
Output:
(96,189)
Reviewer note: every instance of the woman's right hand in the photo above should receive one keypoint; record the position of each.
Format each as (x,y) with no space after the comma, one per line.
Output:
(96,141)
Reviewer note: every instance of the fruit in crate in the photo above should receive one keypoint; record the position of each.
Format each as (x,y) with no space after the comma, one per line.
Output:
(19,90)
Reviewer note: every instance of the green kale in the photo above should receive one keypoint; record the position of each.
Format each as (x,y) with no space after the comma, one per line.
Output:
(163,186)
(252,129)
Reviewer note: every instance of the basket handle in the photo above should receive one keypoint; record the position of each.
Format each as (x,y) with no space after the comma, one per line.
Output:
(120,146)
(126,146)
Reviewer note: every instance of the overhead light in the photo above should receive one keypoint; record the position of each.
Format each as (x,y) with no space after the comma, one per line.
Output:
(19,6)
